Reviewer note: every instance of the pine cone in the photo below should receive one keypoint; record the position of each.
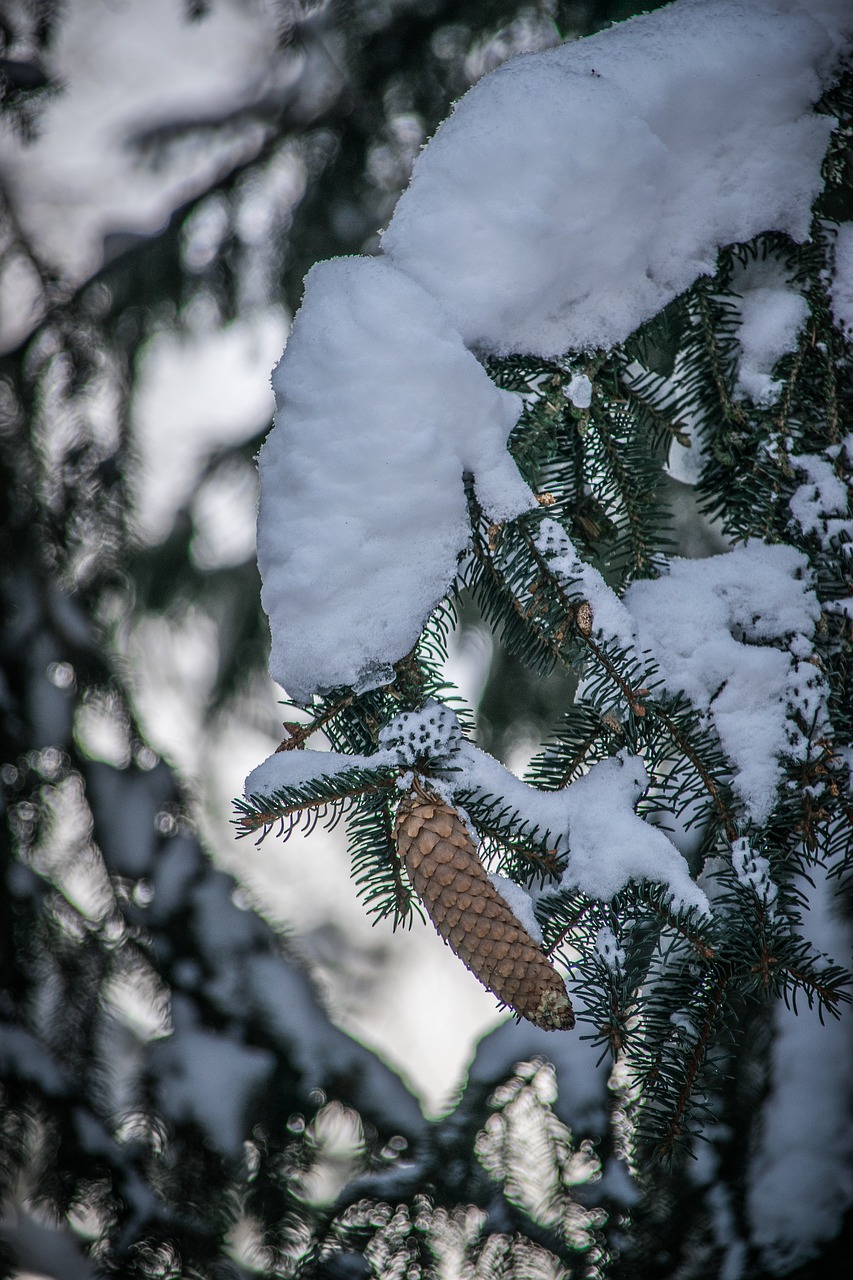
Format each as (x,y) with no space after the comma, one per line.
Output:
(471,916)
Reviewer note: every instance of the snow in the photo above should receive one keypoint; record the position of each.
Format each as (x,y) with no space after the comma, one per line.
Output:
(713,626)
(753,871)
(731,632)
(703,112)
(610,618)
(820,505)
(295,768)
(801,1180)
(579,391)
(609,845)
(594,820)
(433,731)
(519,902)
(841,286)
(380,412)
(771,313)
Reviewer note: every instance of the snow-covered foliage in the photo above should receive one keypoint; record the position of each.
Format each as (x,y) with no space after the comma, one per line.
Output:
(380,412)
(431,733)
(577,199)
(819,506)
(593,822)
(732,633)
(713,627)
(532,244)
(614,250)
(526,243)
(771,314)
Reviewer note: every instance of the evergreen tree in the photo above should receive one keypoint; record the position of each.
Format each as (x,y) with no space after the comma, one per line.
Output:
(171,1086)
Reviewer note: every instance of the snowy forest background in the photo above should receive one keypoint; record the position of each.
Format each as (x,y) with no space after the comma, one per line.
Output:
(212,1062)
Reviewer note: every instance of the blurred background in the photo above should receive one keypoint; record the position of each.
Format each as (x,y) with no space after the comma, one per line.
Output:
(168,173)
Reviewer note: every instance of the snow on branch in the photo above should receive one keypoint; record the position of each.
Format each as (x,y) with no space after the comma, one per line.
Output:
(734,633)
(573,193)
(380,412)
(593,823)
(570,196)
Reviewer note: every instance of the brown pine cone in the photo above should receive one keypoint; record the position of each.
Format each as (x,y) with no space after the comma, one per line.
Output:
(470,914)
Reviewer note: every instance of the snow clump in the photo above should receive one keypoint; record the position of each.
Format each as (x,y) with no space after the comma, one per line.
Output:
(771,313)
(380,412)
(820,505)
(574,192)
(841,285)
(715,628)
(579,391)
(432,733)
(594,822)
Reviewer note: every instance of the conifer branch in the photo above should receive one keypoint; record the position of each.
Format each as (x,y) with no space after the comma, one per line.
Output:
(577,759)
(666,424)
(710,785)
(649,894)
(298,734)
(613,455)
(732,412)
(262,813)
(632,696)
(675,1124)
(566,929)
(806,341)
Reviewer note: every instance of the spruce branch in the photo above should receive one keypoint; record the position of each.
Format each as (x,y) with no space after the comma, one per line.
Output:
(633,495)
(675,1126)
(298,734)
(665,422)
(376,860)
(323,799)
(652,897)
(632,696)
(731,410)
(711,787)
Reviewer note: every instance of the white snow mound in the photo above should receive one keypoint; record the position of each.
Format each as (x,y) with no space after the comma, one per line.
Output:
(574,192)
(380,412)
